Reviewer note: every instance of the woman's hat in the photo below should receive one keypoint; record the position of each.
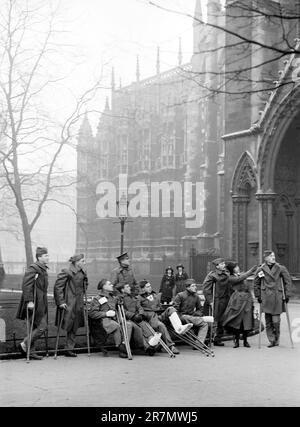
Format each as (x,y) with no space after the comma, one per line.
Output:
(179,265)
(230,265)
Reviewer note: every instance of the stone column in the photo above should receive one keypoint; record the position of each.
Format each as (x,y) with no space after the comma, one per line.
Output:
(297,202)
(292,255)
(240,229)
(265,221)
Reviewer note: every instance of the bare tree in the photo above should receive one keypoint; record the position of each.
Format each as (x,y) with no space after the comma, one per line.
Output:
(32,142)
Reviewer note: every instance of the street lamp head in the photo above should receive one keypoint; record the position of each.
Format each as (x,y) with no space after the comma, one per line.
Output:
(122,205)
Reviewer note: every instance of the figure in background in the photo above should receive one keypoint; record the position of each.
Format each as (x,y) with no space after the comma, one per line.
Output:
(238,317)
(69,290)
(272,287)
(34,298)
(180,279)
(167,286)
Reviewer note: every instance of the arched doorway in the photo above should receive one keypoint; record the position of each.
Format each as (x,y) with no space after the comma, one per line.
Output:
(286,211)
(279,180)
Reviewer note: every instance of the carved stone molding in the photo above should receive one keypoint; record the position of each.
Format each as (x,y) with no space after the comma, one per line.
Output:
(253,247)
(281,248)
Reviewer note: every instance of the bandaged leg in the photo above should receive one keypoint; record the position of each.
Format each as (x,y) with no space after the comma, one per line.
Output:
(177,325)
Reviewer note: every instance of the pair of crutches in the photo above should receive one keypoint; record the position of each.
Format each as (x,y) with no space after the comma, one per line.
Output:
(29,323)
(62,315)
(121,317)
(211,337)
(287,318)
(191,339)
(161,342)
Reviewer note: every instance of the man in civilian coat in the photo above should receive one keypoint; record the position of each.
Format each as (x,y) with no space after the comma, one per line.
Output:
(69,289)
(34,297)
(216,292)
(272,287)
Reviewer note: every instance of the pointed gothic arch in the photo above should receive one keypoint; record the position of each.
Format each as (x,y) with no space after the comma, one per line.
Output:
(243,189)
(244,176)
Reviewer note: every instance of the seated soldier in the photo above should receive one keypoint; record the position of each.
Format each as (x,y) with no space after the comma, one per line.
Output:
(150,302)
(135,314)
(188,306)
(103,309)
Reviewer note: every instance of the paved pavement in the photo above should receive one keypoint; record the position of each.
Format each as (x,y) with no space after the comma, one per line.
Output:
(235,377)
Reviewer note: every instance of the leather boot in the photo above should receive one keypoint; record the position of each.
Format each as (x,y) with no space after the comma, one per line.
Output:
(246,344)
(236,341)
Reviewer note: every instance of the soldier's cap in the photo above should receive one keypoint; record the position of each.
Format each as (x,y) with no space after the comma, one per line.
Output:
(143,283)
(121,286)
(217,261)
(123,255)
(40,251)
(189,282)
(267,252)
(179,265)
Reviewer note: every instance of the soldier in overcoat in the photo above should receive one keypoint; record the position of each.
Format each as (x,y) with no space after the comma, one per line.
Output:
(216,292)
(34,296)
(272,287)
(69,290)
(124,274)
(238,317)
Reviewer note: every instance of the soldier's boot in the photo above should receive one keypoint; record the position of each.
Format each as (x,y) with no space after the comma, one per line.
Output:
(178,326)
(236,341)
(276,333)
(122,351)
(245,335)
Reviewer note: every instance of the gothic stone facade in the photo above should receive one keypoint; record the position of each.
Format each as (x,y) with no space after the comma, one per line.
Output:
(240,143)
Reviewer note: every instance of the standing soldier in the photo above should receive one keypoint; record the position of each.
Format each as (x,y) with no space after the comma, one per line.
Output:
(124,274)
(180,279)
(272,286)
(69,290)
(216,292)
(34,298)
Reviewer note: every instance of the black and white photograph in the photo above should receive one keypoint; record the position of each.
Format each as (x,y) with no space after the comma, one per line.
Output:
(149,206)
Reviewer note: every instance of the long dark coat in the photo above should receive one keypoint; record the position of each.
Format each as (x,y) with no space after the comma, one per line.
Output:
(218,281)
(100,305)
(240,305)
(69,289)
(188,303)
(180,282)
(37,288)
(167,288)
(269,287)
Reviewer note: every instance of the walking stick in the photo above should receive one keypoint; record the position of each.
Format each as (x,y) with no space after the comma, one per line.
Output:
(259,327)
(287,314)
(46,334)
(62,315)
(86,318)
(32,319)
(212,314)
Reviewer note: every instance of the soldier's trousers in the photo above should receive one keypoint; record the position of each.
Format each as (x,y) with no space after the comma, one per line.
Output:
(37,332)
(273,327)
(197,321)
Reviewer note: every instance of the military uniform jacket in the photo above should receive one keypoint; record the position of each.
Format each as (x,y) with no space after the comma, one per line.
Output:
(150,302)
(219,282)
(69,289)
(269,287)
(188,303)
(132,306)
(34,290)
(100,304)
(122,275)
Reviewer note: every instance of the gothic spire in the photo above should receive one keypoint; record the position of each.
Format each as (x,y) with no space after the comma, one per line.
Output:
(198,15)
(112,79)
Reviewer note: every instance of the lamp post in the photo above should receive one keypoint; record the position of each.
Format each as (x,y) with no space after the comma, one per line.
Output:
(122,206)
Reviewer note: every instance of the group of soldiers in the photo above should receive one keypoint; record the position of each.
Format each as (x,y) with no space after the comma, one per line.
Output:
(147,320)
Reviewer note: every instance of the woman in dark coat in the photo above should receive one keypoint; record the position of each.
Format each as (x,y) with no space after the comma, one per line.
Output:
(69,291)
(180,279)
(167,286)
(238,316)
